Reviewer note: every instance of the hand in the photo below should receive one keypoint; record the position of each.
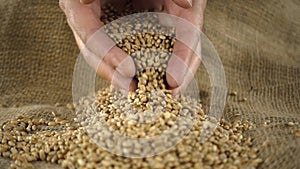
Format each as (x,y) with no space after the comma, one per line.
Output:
(184,63)
(117,66)
(98,49)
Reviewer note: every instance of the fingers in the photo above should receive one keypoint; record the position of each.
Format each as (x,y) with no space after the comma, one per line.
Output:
(105,49)
(183,64)
(185,58)
(120,61)
(97,48)
(125,84)
(108,72)
(84,19)
(178,65)
(189,76)
(186,43)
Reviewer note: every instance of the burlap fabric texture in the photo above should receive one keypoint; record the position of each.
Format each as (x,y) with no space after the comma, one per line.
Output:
(258,42)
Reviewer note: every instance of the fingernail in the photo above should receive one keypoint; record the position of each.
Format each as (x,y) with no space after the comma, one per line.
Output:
(124,92)
(86,1)
(190,2)
(176,93)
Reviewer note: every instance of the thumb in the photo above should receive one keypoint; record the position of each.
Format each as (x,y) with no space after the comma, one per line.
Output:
(184,3)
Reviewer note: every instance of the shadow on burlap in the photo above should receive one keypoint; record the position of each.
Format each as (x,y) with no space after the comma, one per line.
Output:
(258,42)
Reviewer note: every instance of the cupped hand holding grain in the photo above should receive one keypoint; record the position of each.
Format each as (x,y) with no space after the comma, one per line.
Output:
(184,61)
(117,67)
(114,65)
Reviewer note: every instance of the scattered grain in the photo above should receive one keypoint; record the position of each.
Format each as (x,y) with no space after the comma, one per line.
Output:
(296,132)
(233,93)
(290,124)
(243,99)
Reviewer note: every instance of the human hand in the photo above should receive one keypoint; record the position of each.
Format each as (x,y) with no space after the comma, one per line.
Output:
(184,63)
(117,66)
(98,49)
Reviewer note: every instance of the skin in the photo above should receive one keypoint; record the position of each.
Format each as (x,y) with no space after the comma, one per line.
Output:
(118,67)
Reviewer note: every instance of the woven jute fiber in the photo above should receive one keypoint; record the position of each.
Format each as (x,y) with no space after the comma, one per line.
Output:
(258,43)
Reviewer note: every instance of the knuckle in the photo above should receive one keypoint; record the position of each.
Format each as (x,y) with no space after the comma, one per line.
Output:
(115,59)
(111,59)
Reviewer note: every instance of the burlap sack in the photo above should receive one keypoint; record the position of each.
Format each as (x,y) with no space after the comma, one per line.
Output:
(258,42)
